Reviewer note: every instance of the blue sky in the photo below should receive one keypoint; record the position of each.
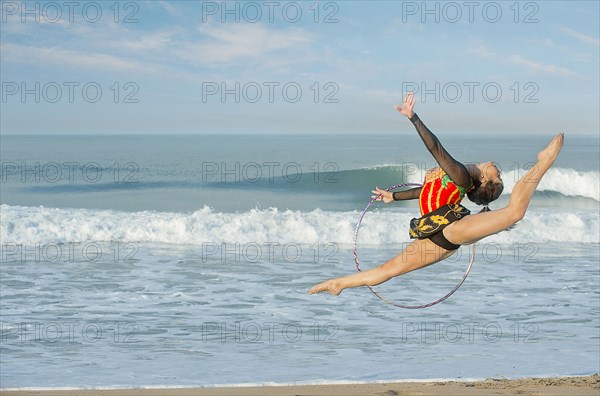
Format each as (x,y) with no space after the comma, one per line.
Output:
(335,67)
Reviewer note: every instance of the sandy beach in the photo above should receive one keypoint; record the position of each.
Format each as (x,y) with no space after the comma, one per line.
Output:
(589,385)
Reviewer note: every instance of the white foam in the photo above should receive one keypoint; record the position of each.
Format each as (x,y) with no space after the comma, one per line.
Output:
(19,224)
(568,182)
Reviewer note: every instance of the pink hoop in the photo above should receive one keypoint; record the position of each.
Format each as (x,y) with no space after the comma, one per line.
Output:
(362,215)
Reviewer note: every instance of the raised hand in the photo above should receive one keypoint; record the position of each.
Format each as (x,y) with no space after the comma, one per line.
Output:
(408,105)
(384,196)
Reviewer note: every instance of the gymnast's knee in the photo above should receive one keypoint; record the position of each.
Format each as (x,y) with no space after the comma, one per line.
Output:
(516,213)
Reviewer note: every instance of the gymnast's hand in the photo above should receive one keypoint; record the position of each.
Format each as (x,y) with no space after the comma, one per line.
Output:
(384,196)
(330,286)
(408,105)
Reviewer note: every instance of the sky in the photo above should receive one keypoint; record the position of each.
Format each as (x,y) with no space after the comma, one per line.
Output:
(305,67)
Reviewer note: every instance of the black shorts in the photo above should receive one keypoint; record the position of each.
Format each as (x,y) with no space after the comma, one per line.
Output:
(432,224)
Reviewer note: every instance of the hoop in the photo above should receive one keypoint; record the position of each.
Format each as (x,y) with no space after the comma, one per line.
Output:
(373,290)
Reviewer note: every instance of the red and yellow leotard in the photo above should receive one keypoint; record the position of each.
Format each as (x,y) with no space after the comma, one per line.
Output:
(443,189)
(439,190)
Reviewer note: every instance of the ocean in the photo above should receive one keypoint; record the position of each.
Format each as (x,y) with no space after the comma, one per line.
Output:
(137,261)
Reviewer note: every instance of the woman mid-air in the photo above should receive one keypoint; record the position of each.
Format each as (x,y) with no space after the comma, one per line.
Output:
(445,224)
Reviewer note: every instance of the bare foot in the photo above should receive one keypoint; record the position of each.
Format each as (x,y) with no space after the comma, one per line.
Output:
(330,286)
(550,152)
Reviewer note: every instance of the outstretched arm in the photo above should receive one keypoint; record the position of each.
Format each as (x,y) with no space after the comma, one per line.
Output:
(388,196)
(457,171)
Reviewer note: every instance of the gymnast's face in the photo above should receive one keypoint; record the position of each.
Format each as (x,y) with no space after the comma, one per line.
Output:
(489,171)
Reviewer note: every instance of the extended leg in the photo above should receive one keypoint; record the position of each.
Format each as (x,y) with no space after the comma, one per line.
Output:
(419,254)
(474,227)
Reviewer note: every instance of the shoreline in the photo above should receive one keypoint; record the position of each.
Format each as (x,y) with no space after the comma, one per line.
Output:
(572,385)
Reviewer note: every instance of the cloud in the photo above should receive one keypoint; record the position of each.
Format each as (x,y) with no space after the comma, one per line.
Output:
(169,8)
(582,37)
(147,41)
(230,43)
(42,55)
(172,52)
(548,43)
(479,49)
(540,67)
(482,51)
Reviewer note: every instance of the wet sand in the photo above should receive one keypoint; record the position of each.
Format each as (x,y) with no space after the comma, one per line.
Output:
(589,385)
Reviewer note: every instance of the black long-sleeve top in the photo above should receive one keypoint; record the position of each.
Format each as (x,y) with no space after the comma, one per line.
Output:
(453,168)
